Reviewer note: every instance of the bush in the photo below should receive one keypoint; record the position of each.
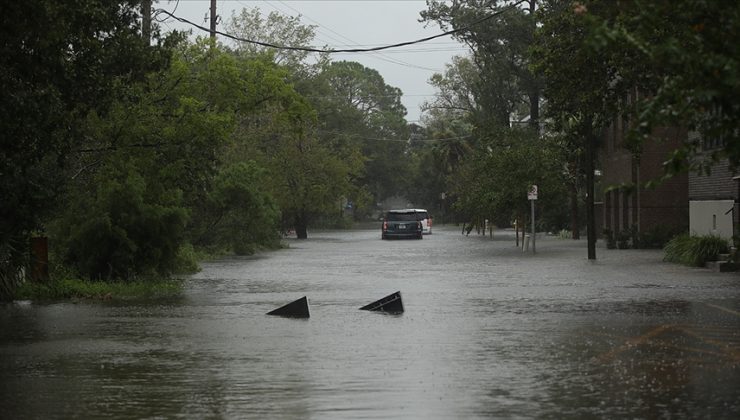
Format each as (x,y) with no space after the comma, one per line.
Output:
(694,251)
(611,241)
(186,261)
(623,239)
(657,236)
(126,229)
(565,234)
(239,215)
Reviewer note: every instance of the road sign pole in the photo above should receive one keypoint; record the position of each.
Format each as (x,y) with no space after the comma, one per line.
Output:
(532,196)
(534,232)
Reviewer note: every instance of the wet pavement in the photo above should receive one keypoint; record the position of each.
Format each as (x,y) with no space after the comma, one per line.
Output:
(488,332)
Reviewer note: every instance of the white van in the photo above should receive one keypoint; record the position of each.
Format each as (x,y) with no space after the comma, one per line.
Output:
(426,221)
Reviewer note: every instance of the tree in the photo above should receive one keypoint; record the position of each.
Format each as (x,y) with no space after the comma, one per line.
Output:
(686,56)
(456,91)
(357,107)
(305,177)
(58,64)
(493,182)
(276,29)
(241,214)
(580,87)
(504,83)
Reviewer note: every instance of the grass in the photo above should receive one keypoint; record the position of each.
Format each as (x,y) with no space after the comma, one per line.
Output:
(694,250)
(80,289)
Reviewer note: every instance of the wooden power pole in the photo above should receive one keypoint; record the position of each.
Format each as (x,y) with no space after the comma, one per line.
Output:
(146,20)
(213,19)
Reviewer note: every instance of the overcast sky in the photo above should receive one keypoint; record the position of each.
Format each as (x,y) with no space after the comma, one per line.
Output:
(354,24)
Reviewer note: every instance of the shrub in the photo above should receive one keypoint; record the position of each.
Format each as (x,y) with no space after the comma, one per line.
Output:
(565,234)
(657,236)
(186,260)
(694,250)
(623,239)
(611,241)
(127,228)
(81,289)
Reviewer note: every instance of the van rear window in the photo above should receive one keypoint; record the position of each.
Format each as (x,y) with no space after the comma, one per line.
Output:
(401,217)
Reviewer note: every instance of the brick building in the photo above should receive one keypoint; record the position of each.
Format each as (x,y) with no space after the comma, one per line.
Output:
(626,203)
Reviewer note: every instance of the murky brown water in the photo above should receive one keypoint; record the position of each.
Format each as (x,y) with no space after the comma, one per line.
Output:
(487,333)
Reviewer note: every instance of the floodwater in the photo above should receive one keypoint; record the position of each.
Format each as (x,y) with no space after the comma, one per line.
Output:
(488,332)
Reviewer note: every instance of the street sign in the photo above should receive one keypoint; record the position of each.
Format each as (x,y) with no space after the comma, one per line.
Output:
(532,193)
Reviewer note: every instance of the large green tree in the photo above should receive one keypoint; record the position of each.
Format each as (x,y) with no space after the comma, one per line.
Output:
(685,58)
(493,183)
(504,87)
(58,63)
(582,87)
(356,108)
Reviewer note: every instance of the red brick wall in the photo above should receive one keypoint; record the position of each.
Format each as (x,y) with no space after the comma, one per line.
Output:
(667,204)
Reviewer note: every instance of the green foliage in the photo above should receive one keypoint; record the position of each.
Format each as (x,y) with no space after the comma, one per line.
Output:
(13,257)
(498,78)
(657,236)
(493,183)
(240,215)
(58,64)
(565,234)
(694,250)
(623,239)
(80,289)
(611,240)
(686,57)
(362,121)
(123,230)
(186,260)
(277,29)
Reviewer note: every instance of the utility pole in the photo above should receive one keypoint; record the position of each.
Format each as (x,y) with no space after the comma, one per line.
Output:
(146,20)
(213,19)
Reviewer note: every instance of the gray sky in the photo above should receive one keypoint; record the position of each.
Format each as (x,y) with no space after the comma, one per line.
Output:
(355,24)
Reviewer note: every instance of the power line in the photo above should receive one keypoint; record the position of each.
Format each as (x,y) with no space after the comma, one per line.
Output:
(348,50)
(378,56)
(426,140)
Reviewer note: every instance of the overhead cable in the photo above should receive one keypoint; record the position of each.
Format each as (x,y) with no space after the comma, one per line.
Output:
(346,50)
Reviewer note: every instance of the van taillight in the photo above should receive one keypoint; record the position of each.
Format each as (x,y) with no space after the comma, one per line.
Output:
(385,225)
(429,222)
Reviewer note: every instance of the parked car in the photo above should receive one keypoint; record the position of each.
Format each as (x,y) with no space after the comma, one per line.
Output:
(402,224)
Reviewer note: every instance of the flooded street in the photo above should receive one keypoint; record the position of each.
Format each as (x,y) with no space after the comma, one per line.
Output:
(488,332)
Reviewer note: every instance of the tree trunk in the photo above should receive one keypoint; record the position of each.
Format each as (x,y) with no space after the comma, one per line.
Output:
(301,227)
(590,216)
(534,110)
(574,222)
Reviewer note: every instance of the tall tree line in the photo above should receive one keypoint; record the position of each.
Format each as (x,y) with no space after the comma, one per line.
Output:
(129,153)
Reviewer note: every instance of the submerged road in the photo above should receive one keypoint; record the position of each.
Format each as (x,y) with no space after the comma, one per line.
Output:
(488,332)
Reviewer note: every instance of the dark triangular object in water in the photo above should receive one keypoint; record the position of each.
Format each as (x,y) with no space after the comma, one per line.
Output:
(391,303)
(295,309)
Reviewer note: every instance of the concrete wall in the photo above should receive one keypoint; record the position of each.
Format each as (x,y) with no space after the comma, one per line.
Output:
(708,217)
